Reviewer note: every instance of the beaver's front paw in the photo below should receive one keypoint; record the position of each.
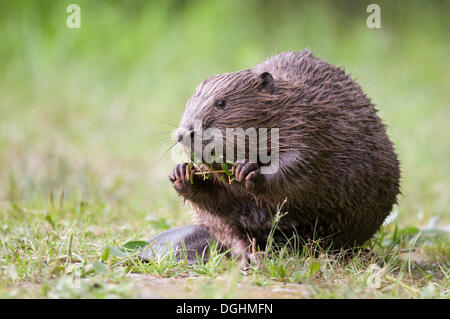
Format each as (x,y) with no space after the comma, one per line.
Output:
(250,175)
(181,180)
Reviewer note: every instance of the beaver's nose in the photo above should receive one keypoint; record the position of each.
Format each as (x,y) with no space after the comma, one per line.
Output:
(181,135)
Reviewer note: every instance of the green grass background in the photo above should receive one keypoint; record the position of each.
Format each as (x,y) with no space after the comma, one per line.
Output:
(86,114)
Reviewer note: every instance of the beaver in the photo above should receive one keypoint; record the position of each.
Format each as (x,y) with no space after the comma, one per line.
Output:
(338,173)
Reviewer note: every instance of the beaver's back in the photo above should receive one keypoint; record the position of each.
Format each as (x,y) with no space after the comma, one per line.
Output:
(293,66)
(349,172)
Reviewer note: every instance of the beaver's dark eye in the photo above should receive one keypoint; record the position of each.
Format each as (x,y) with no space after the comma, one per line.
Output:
(220,104)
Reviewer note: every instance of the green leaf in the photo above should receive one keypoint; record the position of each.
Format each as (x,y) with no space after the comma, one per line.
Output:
(409,231)
(114,251)
(133,245)
(191,177)
(225,168)
(314,267)
(100,267)
(105,254)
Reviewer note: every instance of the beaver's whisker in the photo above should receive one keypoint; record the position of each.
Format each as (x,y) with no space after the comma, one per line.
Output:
(162,156)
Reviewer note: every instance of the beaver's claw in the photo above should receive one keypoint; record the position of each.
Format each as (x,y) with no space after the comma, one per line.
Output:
(250,175)
(181,178)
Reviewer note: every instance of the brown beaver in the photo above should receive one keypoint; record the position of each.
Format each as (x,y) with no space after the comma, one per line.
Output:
(337,167)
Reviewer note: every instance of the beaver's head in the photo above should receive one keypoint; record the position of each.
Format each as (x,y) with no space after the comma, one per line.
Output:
(228,100)
(237,100)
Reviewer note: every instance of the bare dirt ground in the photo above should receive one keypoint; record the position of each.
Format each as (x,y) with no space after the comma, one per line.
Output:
(154,287)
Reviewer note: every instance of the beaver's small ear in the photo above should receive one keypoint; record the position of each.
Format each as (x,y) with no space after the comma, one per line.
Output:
(266,83)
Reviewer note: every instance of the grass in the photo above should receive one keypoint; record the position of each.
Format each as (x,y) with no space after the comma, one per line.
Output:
(55,259)
(86,115)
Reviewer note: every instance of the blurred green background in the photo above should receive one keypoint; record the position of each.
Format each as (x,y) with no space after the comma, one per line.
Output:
(90,110)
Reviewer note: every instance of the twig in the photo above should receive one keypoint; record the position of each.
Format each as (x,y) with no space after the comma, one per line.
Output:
(210,172)
(256,255)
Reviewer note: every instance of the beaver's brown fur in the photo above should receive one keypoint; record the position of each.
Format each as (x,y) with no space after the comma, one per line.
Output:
(338,168)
